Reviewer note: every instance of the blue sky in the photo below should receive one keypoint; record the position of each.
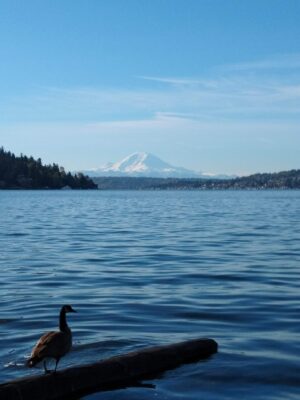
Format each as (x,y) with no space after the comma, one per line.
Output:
(205,84)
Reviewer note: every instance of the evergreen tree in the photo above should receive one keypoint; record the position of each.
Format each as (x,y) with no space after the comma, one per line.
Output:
(27,173)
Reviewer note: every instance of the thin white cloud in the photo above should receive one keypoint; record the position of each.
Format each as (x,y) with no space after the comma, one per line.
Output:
(234,96)
(217,146)
(278,62)
(180,81)
(243,119)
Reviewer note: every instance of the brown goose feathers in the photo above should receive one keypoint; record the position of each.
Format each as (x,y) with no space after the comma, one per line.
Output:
(53,344)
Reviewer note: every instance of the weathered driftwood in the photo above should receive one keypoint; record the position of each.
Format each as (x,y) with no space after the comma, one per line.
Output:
(113,373)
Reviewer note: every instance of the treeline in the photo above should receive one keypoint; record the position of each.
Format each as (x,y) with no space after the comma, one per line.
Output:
(27,173)
(280,180)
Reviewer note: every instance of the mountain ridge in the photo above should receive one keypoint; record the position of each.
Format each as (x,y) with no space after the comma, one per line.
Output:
(142,164)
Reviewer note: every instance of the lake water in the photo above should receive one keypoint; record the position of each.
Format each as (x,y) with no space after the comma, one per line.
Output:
(148,268)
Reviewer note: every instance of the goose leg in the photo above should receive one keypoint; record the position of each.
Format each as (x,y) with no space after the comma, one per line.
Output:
(57,361)
(45,367)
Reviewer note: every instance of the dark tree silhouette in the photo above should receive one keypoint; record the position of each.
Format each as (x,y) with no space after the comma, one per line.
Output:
(280,180)
(27,173)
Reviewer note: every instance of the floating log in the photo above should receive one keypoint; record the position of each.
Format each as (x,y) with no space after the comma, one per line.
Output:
(109,374)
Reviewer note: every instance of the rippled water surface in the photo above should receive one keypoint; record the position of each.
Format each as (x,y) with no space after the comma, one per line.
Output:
(146,268)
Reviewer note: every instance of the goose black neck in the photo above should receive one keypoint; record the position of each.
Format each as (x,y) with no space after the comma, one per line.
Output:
(63,326)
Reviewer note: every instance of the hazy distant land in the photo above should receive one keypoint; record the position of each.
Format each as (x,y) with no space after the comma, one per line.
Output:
(280,180)
(22,172)
(145,171)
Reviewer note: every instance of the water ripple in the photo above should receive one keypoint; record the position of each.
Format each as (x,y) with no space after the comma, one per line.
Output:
(146,268)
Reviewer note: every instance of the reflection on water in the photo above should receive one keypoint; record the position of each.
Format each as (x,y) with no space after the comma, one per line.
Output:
(147,268)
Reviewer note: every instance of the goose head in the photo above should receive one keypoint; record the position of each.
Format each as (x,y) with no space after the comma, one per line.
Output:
(67,309)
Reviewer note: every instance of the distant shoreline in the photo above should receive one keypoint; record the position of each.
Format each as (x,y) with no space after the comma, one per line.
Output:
(154,190)
(281,180)
(26,173)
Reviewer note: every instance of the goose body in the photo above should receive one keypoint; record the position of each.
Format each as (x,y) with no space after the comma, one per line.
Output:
(54,344)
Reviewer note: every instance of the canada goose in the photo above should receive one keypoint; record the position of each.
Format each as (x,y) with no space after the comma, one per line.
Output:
(53,344)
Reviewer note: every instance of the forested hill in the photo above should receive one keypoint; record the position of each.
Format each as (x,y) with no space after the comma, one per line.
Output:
(27,173)
(279,180)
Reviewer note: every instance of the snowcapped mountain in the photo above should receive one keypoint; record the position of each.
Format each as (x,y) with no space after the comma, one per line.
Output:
(144,165)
